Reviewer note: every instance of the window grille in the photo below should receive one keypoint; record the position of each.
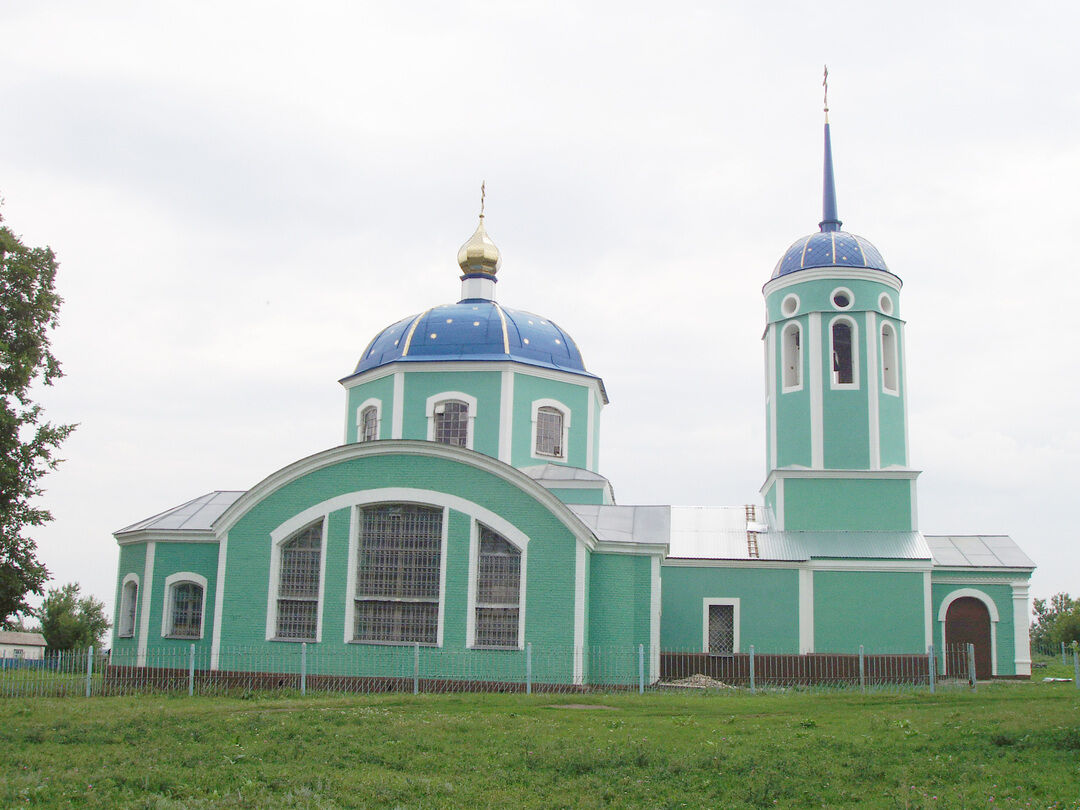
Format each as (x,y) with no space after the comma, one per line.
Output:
(843,368)
(187,598)
(549,431)
(397,578)
(498,590)
(452,422)
(721,629)
(127,609)
(298,587)
(369,424)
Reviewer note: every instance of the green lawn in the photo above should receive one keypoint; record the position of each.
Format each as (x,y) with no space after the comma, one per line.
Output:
(1007,745)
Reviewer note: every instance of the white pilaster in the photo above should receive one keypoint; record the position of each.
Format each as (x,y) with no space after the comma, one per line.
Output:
(399,405)
(506,416)
(147,597)
(873,384)
(1021,640)
(806,610)
(817,422)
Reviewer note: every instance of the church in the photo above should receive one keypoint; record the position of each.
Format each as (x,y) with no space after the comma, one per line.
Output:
(464,520)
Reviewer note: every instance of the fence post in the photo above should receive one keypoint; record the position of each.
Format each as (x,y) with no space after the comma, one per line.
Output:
(1076,666)
(753,686)
(89,670)
(931,667)
(416,668)
(641,669)
(303,668)
(528,668)
(1063,653)
(191,672)
(971,665)
(862,668)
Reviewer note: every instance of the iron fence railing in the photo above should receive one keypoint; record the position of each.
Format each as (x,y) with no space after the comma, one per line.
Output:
(303,668)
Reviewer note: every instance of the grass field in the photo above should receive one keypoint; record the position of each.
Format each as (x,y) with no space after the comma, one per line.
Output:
(1007,745)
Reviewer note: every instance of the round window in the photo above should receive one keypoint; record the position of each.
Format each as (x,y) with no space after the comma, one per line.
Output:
(885,304)
(841,298)
(790,305)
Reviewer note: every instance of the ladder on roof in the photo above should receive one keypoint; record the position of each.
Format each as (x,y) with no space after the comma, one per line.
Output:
(751,537)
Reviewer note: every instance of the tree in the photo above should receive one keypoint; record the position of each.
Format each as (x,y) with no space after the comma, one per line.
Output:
(1055,621)
(70,621)
(29,310)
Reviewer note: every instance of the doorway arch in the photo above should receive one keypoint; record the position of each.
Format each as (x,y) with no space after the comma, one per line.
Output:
(969,616)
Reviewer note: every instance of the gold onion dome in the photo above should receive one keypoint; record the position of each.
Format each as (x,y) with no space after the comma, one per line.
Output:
(479,254)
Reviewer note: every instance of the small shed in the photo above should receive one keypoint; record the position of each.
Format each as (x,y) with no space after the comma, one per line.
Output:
(22,646)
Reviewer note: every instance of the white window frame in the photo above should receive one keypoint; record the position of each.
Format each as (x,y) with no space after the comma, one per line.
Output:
(890,357)
(278,538)
(844,291)
(796,327)
(519,540)
(435,399)
(565,411)
(854,384)
(172,580)
(354,556)
(126,608)
(369,403)
(708,602)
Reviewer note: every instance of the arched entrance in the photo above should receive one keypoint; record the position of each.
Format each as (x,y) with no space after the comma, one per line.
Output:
(968,622)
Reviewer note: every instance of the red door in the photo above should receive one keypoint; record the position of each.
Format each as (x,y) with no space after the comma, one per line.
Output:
(968,622)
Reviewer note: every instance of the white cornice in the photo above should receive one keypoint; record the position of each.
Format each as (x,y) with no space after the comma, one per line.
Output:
(806,472)
(166,536)
(378,372)
(407,447)
(623,547)
(819,273)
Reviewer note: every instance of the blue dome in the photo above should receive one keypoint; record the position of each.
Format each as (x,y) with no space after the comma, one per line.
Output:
(474,329)
(833,248)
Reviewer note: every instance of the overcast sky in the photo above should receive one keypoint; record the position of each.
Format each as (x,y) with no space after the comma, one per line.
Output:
(242,194)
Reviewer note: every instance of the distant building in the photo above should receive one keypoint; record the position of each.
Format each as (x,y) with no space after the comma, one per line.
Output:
(465,510)
(22,646)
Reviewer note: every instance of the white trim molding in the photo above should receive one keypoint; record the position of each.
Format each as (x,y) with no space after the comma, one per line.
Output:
(872,403)
(506,416)
(806,610)
(219,600)
(834,383)
(537,404)
(791,356)
(1021,638)
(580,561)
(144,617)
(397,418)
(707,603)
(171,581)
(656,607)
(446,396)
(991,608)
(817,401)
(126,608)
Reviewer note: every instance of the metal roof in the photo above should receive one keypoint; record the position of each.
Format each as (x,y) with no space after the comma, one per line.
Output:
(561,472)
(626,524)
(197,515)
(22,639)
(977,551)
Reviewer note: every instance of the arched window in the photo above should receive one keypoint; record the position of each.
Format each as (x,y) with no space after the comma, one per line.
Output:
(844,354)
(889,378)
(369,424)
(791,357)
(298,584)
(452,422)
(129,599)
(550,440)
(498,591)
(398,574)
(185,610)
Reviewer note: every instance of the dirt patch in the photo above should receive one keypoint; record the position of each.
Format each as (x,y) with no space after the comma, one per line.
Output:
(699,682)
(581,706)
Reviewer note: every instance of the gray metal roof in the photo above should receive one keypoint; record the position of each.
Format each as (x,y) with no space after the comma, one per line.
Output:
(197,515)
(977,551)
(560,472)
(22,639)
(626,524)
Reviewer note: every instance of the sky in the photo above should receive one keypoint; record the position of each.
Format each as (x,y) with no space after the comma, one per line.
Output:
(241,194)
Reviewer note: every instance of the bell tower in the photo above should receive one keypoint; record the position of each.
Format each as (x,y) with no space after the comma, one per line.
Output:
(836,399)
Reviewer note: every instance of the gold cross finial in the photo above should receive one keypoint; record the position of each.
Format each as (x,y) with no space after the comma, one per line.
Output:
(825,84)
(482,195)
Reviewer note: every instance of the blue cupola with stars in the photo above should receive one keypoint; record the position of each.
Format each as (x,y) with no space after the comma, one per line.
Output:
(836,401)
(498,380)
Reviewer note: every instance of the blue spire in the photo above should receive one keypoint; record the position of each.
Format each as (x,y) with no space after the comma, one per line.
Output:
(829,219)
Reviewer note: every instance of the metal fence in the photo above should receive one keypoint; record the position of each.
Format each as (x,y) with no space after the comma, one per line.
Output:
(301,669)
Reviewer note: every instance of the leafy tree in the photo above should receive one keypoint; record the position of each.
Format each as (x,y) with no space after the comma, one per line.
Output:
(70,621)
(1056,620)
(29,310)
